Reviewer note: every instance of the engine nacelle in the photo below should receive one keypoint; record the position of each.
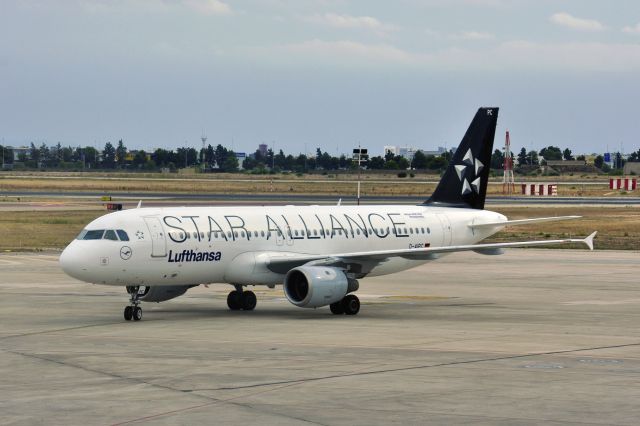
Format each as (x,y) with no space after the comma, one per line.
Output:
(159,293)
(315,286)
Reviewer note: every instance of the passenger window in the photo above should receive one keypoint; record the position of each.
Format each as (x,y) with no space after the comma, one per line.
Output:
(123,235)
(110,234)
(262,234)
(94,235)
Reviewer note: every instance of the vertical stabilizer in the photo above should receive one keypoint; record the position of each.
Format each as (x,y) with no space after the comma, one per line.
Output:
(464,183)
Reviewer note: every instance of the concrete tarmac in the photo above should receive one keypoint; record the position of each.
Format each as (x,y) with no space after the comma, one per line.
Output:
(531,337)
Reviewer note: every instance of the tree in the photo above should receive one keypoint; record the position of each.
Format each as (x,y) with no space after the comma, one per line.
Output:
(121,154)
(34,153)
(390,165)
(376,163)
(403,163)
(109,156)
(533,158)
(598,161)
(419,160)
(230,162)
(140,159)
(220,155)
(90,155)
(7,155)
(209,155)
(551,153)
(522,157)
(497,159)
(280,161)
(249,163)
(389,155)
(45,154)
(566,154)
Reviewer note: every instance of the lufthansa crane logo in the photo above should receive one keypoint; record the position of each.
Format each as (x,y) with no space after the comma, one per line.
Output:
(125,253)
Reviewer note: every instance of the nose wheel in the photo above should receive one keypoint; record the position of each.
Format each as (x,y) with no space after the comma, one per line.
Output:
(133,311)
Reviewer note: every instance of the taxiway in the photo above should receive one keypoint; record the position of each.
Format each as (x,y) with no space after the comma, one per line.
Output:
(534,336)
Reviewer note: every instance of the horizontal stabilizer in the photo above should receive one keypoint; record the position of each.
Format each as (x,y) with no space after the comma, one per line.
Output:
(522,221)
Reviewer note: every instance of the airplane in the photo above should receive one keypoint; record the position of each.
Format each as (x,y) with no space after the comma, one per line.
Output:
(317,253)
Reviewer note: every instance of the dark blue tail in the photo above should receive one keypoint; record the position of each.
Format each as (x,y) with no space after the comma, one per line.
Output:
(464,183)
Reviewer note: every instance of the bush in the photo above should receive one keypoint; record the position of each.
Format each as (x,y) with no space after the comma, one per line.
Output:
(412,175)
(402,174)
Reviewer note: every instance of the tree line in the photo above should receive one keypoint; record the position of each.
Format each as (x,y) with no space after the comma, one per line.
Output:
(220,158)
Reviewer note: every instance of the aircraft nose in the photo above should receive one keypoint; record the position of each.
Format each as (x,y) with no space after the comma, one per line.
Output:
(70,261)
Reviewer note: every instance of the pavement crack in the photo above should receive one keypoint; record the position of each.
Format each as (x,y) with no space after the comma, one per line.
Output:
(415,367)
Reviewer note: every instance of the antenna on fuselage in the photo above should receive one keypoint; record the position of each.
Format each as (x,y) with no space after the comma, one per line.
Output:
(339,201)
(139,204)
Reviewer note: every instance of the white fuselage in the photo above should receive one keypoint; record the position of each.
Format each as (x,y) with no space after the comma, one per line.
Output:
(199,245)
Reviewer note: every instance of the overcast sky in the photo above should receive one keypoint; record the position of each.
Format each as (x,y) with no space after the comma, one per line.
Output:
(319,73)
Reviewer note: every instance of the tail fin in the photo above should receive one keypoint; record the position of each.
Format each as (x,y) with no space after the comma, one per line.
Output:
(464,183)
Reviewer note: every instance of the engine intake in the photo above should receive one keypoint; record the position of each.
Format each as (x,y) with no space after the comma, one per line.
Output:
(315,286)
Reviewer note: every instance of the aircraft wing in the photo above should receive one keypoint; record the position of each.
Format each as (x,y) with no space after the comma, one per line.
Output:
(522,221)
(282,263)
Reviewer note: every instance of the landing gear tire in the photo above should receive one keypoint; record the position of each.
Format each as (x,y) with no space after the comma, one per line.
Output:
(350,304)
(234,300)
(137,313)
(133,311)
(336,308)
(249,300)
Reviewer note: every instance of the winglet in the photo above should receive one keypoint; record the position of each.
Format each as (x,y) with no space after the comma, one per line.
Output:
(139,204)
(589,240)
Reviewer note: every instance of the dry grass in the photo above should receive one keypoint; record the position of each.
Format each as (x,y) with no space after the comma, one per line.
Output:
(36,230)
(231,184)
(618,227)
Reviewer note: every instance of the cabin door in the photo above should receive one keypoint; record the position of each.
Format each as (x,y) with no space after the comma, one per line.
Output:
(445,226)
(158,240)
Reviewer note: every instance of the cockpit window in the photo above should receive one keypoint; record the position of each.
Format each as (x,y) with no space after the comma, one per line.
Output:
(93,234)
(123,235)
(110,234)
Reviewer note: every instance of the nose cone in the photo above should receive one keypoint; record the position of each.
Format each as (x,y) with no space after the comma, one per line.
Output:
(71,261)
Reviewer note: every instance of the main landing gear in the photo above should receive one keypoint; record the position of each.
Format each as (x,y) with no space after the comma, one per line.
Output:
(133,311)
(239,299)
(349,305)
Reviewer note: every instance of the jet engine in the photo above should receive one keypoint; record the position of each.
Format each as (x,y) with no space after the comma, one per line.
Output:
(315,286)
(159,293)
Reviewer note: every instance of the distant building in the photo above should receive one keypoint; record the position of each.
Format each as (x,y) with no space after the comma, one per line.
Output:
(17,151)
(409,152)
(241,156)
(262,149)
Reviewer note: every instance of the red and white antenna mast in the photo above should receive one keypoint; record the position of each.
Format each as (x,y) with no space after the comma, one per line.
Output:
(508,181)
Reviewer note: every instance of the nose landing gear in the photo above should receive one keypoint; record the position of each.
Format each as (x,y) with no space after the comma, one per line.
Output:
(133,311)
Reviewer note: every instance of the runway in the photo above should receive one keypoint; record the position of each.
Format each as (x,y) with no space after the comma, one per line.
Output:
(274,198)
(534,336)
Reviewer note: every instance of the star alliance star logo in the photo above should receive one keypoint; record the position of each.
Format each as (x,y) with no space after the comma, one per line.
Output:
(140,235)
(476,168)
